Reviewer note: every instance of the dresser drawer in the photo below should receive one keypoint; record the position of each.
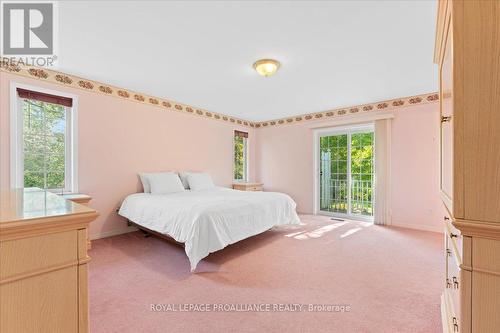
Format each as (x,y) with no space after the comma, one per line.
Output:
(32,254)
(254,188)
(458,284)
(457,314)
(451,323)
(44,303)
(453,280)
(459,301)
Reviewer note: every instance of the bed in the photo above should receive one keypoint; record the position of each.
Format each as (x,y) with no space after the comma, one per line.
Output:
(208,220)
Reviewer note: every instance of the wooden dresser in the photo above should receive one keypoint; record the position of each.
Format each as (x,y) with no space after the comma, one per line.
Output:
(43,256)
(468,53)
(248,186)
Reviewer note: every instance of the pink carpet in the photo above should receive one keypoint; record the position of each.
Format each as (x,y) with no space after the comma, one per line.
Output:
(391,278)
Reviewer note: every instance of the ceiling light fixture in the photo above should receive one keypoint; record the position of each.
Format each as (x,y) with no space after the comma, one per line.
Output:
(266,67)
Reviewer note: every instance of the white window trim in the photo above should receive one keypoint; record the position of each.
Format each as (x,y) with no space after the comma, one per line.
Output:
(16,137)
(318,133)
(246,150)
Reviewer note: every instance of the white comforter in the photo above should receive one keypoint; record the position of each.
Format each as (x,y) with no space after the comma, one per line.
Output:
(207,221)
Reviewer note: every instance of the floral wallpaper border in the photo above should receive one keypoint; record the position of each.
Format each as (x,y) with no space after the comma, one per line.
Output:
(364,108)
(105,89)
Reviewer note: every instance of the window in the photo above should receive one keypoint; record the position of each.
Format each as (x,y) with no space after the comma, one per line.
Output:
(346,173)
(43,145)
(240,156)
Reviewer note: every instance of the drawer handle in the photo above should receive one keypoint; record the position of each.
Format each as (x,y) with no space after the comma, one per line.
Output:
(446,218)
(445,119)
(455,282)
(448,252)
(455,324)
(448,283)
(452,235)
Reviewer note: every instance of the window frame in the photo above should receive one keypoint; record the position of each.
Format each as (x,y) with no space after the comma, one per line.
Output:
(17,143)
(245,156)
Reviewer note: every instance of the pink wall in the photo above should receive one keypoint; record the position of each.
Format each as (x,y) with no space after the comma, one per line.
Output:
(415,168)
(119,138)
(285,164)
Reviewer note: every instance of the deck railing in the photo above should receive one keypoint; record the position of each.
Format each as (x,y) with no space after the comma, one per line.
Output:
(334,194)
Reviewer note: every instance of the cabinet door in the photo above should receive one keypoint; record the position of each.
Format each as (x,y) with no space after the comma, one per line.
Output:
(446,78)
(478,34)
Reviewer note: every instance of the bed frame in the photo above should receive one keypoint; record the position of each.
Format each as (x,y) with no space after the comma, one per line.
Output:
(148,233)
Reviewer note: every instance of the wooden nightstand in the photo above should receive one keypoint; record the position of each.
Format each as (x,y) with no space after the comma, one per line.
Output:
(82,199)
(248,186)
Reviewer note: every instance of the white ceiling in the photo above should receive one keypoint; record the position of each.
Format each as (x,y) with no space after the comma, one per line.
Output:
(333,54)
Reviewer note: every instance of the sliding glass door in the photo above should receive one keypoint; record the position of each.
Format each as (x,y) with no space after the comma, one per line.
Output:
(346,172)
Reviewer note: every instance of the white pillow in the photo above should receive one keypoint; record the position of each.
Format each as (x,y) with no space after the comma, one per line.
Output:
(184,180)
(199,181)
(165,182)
(145,182)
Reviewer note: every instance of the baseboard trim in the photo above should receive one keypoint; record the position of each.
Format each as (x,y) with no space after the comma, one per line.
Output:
(421,227)
(113,233)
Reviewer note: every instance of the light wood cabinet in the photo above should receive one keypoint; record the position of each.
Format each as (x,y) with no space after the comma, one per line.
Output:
(43,256)
(467,51)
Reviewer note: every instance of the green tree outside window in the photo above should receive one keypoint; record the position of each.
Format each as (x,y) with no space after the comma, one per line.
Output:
(44,136)
(239,158)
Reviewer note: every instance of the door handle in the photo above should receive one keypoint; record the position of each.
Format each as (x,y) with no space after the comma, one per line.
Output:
(455,324)
(455,282)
